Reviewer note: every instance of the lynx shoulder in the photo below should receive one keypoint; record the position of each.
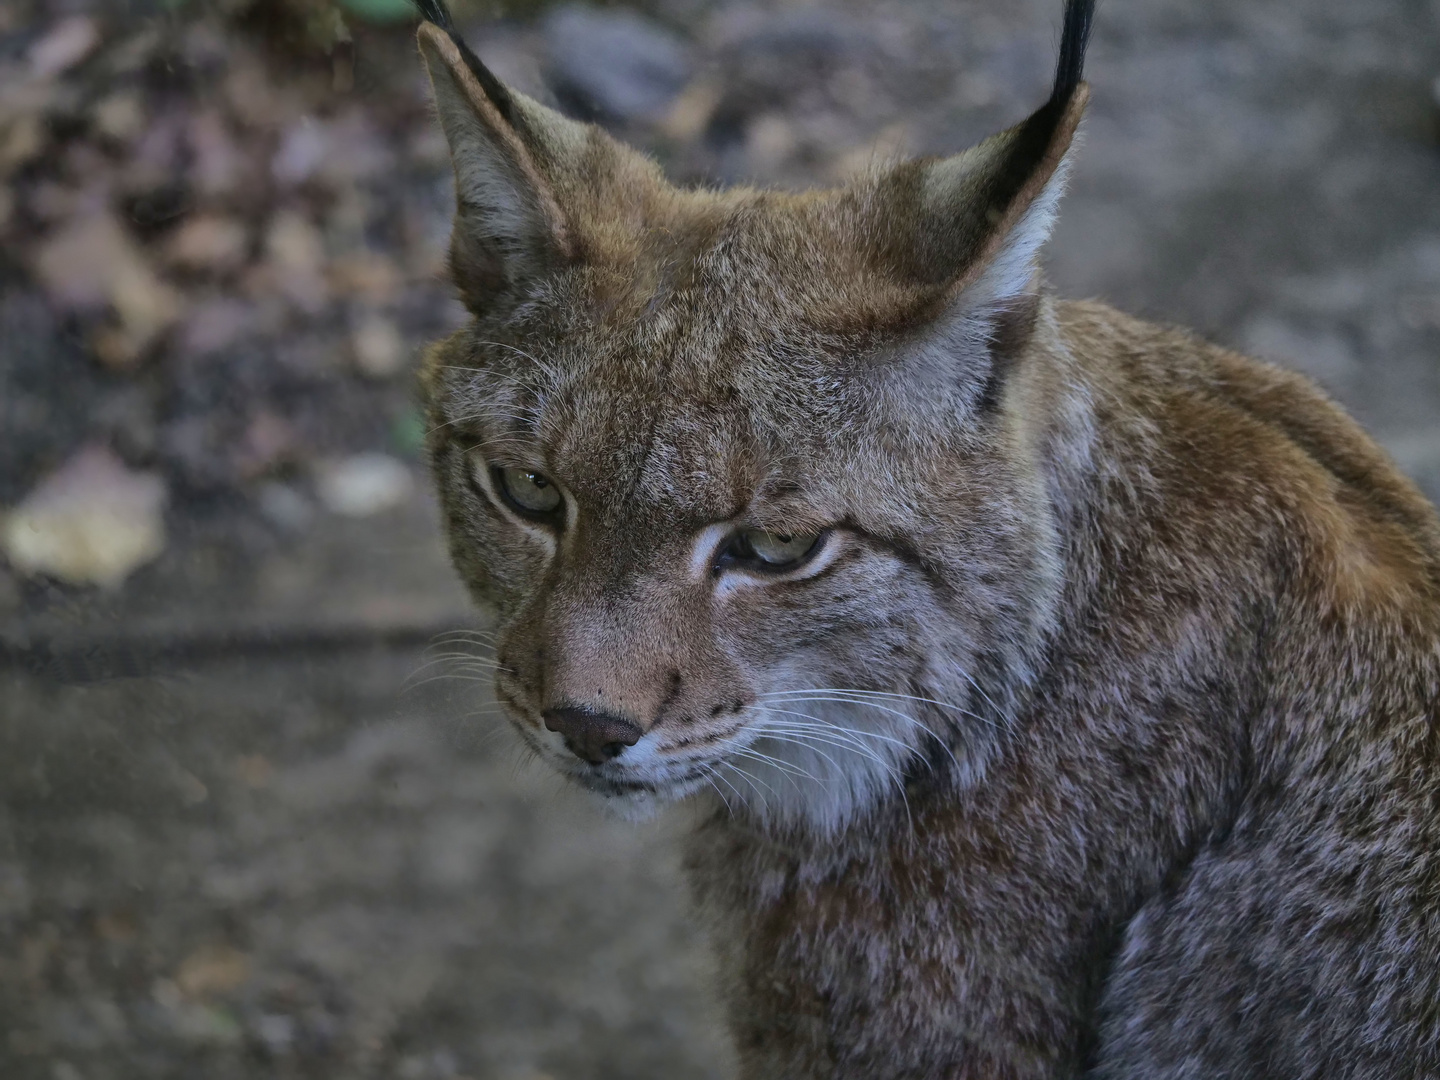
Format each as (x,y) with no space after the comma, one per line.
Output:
(1059,694)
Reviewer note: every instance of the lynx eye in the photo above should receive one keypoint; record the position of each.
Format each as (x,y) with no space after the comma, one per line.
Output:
(530,493)
(766,550)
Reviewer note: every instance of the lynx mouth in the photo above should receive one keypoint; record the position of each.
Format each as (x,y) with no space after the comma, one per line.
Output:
(610,785)
(619,787)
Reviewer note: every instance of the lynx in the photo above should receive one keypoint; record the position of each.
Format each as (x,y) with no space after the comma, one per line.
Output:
(1058,695)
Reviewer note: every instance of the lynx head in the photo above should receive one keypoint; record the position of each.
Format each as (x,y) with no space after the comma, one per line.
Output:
(746,476)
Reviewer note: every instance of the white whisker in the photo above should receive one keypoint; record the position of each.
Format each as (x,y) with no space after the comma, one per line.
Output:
(855,736)
(751,780)
(789,770)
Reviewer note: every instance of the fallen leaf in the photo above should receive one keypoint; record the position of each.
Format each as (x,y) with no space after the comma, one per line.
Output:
(212,969)
(133,52)
(120,117)
(692,110)
(367,275)
(770,140)
(93,262)
(218,164)
(379,349)
(362,485)
(210,243)
(191,788)
(294,269)
(255,770)
(146,308)
(79,265)
(254,97)
(68,42)
(21,142)
(119,927)
(92,522)
(301,152)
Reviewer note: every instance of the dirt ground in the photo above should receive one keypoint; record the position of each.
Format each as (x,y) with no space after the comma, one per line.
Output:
(244,829)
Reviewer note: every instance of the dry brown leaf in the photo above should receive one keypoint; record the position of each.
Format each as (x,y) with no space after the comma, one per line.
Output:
(192,789)
(121,116)
(379,349)
(119,927)
(211,243)
(66,44)
(145,305)
(770,140)
(80,265)
(255,770)
(295,267)
(254,98)
(218,165)
(21,141)
(92,522)
(362,485)
(692,110)
(367,275)
(212,969)
(92,263)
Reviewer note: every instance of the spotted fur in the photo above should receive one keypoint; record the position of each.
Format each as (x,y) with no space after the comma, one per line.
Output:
(1099,736)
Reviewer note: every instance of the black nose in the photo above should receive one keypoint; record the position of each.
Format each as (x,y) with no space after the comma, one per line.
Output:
(595,736)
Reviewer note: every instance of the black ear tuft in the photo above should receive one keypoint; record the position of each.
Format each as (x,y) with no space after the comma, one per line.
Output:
(1078,16)
(436,12)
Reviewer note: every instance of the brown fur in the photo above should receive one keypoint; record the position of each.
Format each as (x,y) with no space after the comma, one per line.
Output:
(1124,654)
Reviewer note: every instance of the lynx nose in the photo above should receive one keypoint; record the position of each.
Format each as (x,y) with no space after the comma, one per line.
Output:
(594,736)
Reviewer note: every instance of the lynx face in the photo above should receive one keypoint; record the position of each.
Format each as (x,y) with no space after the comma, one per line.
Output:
(735,472)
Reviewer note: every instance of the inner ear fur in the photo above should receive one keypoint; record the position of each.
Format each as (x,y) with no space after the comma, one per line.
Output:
(509,225)
(980,216)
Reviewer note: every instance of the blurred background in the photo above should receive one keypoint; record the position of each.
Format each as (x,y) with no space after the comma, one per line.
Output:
(258,816)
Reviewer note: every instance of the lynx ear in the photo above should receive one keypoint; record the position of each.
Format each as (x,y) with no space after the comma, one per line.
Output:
(509,226)
(972,225)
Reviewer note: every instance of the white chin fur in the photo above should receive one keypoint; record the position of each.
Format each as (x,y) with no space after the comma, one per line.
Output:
(634,806)
(820,771)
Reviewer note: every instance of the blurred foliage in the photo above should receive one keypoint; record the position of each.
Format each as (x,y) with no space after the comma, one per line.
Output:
(379,11)
(407,433)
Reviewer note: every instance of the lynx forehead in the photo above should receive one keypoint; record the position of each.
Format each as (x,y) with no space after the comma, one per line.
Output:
(1062,693)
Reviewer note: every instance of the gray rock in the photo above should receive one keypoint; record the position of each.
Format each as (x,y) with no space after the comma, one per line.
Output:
(613,65)
(780,62)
